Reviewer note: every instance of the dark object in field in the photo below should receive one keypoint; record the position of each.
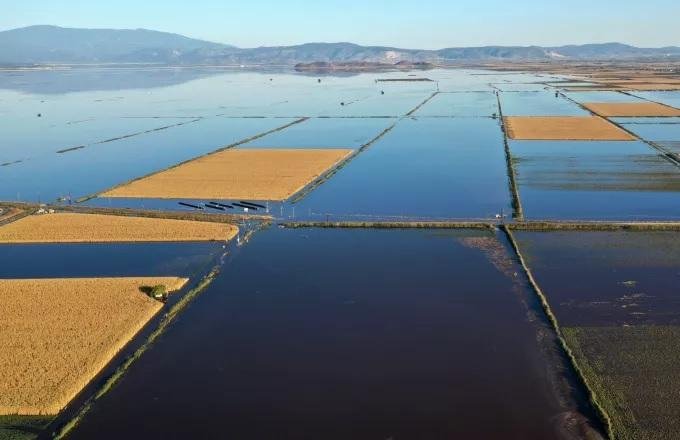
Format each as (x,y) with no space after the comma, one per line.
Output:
(218,208)
(40,115)
(342,103)
(319,79)
(382,92)
(255,205)
(191,205)
(223,205)
(245,206)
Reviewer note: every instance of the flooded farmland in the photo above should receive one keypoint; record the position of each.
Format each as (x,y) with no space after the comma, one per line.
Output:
(595,180)
(382,295)
(615,297)
(284,343)
(429,168)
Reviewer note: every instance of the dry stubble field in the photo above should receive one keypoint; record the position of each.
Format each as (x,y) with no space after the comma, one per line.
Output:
(631,109)
(96,228)
(262,174)
(566,128)
(57,334)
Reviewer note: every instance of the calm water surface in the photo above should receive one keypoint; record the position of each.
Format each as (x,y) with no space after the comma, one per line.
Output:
(344,334)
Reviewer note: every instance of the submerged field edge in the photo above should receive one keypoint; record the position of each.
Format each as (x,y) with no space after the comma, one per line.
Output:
(126,136)
(303,192)
(227,147)
(111,381)
(331,172)
(593,396)
(518,212)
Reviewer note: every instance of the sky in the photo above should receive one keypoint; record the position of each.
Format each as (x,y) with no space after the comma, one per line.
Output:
(424,24)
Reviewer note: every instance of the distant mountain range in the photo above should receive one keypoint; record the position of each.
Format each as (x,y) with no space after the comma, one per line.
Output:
(56,45)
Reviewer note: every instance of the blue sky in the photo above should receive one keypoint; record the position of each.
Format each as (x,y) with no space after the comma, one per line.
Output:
(427,24)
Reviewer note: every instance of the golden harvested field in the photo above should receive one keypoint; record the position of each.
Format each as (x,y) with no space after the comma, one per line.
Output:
(262,174)
(96,228)
(564,128)
(57,334)
(613,109)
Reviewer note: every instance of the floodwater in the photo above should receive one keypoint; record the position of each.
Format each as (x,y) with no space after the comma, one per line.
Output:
(424,168)
(598,278)
(98,167)
(666,133)
(595,180)
(602,96)
(347,334)
(542,103)
(444,161)
(461,104)
(325,133)
(667,97)
(105,260)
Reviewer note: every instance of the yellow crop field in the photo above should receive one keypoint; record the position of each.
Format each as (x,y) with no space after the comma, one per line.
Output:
(262,174)
(588,128)
(57,334)
(631,109)
(96,228)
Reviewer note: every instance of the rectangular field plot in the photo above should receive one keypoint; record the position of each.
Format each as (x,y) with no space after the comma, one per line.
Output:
(667,98)
(97,167)
(589,128)
(538,103)
(630,109)
(94,228)
(325,133)
(615,296)
(424,168)
(607,278)
(602,96)
(461,104)
(664,133)
(595,180)
(59,333)
(398,100)
(634,371)
(262,174)
(289,346)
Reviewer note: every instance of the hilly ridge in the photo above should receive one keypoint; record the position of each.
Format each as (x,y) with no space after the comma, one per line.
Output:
(46,44)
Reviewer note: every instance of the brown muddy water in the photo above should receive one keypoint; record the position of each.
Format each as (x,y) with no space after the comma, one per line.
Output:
(362,334)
